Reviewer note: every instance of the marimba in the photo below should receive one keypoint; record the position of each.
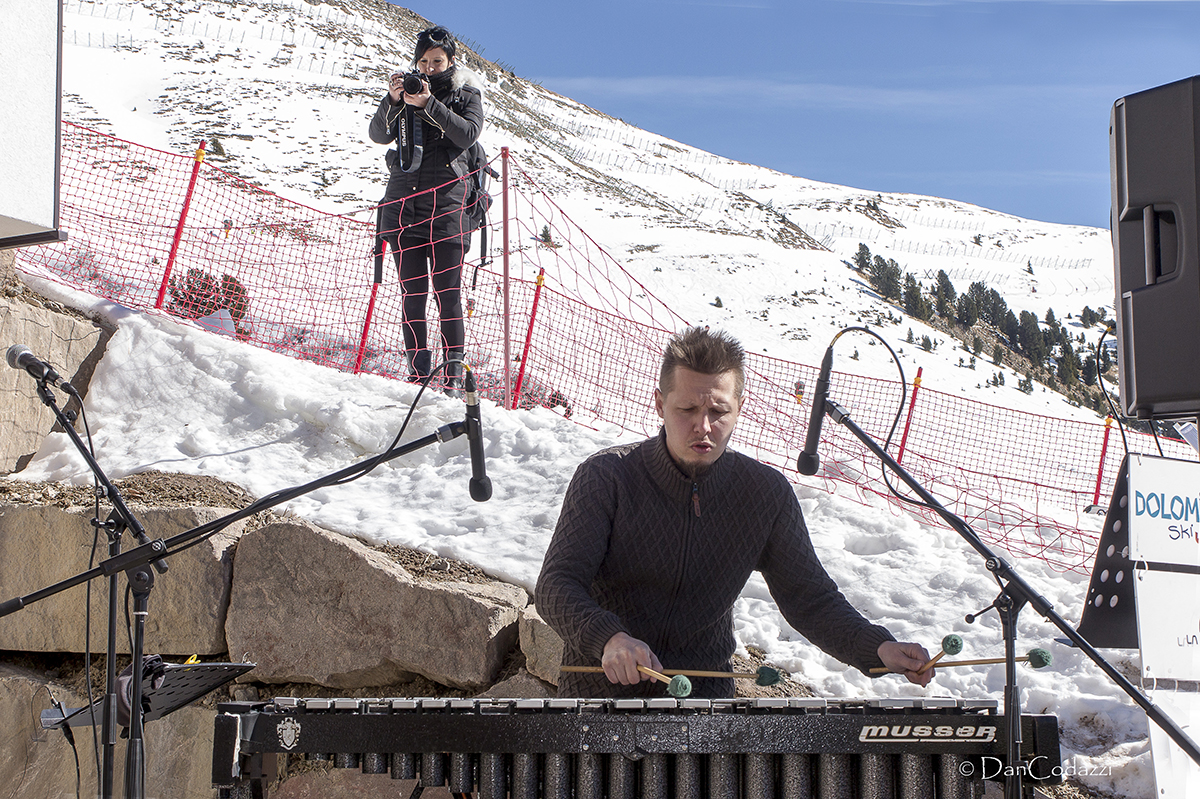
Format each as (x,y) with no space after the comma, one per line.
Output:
(792,748)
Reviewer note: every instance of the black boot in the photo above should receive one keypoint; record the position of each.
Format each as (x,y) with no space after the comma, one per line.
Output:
(419,362)
(454,373)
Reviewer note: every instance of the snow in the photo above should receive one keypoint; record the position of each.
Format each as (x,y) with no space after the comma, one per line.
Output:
(169,396)
(688,225)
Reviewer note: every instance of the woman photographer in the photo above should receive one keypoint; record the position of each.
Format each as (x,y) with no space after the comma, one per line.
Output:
(434,118)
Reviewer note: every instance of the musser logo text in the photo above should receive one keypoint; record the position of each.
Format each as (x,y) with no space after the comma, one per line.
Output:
(925,732)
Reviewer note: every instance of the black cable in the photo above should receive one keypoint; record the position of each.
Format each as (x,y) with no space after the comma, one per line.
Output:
(1112,409)
(87,634)
(66,728)
(362,470)
(128,618)
(1108,328)
(371,464)
(899,411)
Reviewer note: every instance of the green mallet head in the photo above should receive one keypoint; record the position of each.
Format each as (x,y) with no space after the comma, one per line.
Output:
(679,686)
(952,644)
(1040,658)
(767,676)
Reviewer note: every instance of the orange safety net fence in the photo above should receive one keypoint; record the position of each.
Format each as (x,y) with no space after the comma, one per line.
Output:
(580,334)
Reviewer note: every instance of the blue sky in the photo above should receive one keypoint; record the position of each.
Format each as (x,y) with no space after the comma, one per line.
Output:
(1003,104)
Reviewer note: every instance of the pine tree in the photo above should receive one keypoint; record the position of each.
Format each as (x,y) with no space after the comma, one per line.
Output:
(967,314)
(915,302)
(996,308)
(1030,340)
(1012,329)
(1088,373)
(1068,366)
(945,295)
(862,258)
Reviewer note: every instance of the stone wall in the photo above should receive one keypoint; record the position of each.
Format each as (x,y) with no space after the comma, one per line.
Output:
(321,612)
(72,343)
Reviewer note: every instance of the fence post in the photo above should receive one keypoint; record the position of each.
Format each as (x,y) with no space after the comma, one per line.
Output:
(908,421)
(508,395)
(537,293)
(1108,420)
(187,202)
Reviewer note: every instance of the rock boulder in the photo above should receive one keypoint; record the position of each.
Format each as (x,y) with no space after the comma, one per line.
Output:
(43,545)
(316,607)
(543,648)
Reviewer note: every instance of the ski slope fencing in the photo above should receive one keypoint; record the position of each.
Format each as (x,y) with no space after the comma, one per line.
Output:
(554,321)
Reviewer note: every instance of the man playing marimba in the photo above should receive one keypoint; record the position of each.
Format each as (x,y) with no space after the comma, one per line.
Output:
(656,540)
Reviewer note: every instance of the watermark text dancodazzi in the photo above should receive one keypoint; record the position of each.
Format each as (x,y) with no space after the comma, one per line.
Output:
(1039,768)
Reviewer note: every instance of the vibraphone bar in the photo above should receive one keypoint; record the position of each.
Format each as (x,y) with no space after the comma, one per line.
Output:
(785,748)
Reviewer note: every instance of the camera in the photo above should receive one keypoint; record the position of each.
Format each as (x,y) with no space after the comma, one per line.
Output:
(414,82)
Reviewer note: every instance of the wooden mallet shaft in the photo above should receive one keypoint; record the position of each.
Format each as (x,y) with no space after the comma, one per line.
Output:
(660,676)
(929,664)
(1039,661)
(982,661)
(737,675)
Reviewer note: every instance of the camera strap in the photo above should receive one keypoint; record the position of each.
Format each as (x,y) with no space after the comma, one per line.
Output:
(410,140)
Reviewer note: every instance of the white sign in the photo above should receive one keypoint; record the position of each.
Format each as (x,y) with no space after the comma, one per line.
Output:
(1168,620)
(1164,545)
(1175,774)
(1164,510)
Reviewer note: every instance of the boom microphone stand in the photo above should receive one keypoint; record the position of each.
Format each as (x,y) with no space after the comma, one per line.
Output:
(137,562)
(120,520)
(1014,595)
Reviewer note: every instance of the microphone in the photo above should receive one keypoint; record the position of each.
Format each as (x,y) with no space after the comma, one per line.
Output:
(481,485)
(809,461)
(21,357)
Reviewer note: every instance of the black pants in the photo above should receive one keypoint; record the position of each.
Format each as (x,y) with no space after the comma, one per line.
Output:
(443,262)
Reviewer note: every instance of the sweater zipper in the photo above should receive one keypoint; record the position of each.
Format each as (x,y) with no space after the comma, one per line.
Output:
(683,556)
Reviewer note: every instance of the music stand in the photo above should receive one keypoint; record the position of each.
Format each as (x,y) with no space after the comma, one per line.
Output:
(182,684)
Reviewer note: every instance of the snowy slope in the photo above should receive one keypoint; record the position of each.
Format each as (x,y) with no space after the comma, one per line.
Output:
(288,89)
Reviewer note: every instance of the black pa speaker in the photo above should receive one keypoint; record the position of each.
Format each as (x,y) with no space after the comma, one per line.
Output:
(1154,155)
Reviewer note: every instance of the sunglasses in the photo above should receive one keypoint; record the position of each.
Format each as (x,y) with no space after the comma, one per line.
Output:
(432,38)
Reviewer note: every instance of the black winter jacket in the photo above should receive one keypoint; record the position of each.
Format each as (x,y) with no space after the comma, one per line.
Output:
(451,123)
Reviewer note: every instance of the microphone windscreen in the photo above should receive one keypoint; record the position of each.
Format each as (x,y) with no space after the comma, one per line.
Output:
(14,355)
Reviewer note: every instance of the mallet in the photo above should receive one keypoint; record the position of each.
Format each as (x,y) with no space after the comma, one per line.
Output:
(951,645)
(678,686)
(764,676)
(1037,658)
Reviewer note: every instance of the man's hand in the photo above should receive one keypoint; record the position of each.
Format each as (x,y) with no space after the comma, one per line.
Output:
(623,654)
(906,658)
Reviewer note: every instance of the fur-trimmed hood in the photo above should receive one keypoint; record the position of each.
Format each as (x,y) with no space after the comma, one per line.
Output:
(465,76)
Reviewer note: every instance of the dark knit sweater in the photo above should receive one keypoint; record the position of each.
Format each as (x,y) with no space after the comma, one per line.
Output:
(643,549)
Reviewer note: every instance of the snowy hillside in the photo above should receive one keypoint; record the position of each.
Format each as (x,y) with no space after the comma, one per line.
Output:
(287,89)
